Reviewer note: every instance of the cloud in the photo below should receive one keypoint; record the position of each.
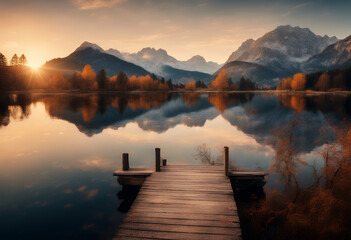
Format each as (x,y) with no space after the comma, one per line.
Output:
(90,194)
(296,7)
(95,4)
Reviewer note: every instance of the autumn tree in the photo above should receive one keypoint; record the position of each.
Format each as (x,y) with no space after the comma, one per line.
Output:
(285,84)
(323,83)
(190,85)
(221,81)
(22,60)
(57,81)
(298,82)
(14,60)
(89,77)
(102,79)
(3,60)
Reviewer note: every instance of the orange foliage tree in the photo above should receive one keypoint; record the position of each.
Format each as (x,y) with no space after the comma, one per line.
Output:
(58,81)
(89,77)
(221,82)
(298,82)
(146,83)
(285,84)
(190,85)
(323,83)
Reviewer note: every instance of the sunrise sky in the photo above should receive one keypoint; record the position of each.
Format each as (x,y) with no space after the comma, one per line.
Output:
(43,29)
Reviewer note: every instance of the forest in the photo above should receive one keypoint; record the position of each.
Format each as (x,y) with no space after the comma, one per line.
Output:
(331,80)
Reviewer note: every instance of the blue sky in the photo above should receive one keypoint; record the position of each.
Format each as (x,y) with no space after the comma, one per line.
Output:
(47,29)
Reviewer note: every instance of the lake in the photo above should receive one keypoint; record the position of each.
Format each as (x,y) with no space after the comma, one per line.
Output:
(58,151)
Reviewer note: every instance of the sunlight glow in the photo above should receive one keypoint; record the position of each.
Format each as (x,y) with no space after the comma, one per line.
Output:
(34,66)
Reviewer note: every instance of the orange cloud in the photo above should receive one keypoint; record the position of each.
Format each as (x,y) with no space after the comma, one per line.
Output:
(95,4)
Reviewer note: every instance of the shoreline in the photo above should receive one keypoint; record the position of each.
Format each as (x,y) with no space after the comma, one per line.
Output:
(277,92)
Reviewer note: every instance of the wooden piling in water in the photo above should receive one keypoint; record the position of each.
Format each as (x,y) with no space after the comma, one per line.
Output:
(226,161)
(125,161)
(157,159)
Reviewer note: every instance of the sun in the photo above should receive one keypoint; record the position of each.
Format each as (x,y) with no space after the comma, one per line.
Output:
(34,66)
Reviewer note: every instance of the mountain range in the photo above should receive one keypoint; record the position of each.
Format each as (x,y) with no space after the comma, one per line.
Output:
(279,53)
(146,61)
(153,59)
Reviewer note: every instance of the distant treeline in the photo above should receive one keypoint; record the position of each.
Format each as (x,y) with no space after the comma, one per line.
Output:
(337,79)
(222,82)
(21,77)
(25,78)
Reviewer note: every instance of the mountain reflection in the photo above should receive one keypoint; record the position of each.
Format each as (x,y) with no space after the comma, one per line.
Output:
(255,115)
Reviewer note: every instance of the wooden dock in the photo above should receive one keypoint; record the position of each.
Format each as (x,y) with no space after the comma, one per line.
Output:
(183,202)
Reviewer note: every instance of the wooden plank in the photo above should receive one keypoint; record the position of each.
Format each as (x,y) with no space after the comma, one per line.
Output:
(178,228)
(187,222)
(184,198)
(192,210)
(174,235)
(184,216)
(134,172)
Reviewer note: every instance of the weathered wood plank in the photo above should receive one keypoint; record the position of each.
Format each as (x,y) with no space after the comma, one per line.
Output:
(174,235)
(189,209)
(134,172)
(186,222)
(184,216)
(178,228)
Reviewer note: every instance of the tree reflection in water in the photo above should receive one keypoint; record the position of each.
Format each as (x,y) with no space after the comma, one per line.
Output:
(320,211)
(289,123)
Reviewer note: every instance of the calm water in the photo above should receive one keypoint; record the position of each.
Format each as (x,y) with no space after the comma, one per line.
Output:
(58,152)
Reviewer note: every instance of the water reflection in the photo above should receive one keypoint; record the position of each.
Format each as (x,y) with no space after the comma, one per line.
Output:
(65,147)
(257,116)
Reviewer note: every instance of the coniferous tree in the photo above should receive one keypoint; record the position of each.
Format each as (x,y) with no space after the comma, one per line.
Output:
(102,79)
(3,60)
(14,60)
(122,81)
(22,60)
(170,84)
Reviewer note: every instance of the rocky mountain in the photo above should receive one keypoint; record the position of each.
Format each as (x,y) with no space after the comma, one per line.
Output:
(86,44)
(97,58)
(153,59)
(285,47)
(184,76)
(337,55)
(245,46)
(283,50)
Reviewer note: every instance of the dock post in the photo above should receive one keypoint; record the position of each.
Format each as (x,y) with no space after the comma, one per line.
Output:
(226,161)
(164,162)
(158,159)
(125,161)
